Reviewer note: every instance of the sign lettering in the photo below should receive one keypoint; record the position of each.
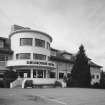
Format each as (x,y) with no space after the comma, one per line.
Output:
(40,63)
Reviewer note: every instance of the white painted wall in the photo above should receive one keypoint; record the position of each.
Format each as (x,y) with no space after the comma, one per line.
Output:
(15,43)
(95,71)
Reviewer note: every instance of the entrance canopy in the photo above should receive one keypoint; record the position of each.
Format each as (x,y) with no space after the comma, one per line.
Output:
(37,64)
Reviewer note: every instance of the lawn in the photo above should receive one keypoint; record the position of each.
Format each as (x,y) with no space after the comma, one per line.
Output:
(52,96)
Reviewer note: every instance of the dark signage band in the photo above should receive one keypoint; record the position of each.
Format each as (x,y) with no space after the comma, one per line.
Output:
(40,63)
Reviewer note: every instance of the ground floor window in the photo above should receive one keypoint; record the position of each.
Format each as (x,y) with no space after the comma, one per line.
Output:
(61,75)
(52,74)
(35,74)
(40,73)
(68,75)
(44,73)
(24,73)
(97,76)
(1,76)
(93,76)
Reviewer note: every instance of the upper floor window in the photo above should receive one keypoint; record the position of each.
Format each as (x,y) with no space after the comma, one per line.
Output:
(39,56)
(48,45)
(25,41)
(93,76)
(1,43)
(97,76)
(23,56)
(39,43)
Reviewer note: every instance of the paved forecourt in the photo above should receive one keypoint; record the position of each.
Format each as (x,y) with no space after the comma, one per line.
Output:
(52,96)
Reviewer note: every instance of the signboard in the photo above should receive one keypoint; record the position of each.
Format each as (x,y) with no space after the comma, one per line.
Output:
(31,63)
(40,63)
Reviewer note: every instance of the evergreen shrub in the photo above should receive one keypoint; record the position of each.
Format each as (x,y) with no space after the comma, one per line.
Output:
(28,83)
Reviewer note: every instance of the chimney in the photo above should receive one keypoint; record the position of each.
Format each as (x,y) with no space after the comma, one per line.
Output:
(17,27)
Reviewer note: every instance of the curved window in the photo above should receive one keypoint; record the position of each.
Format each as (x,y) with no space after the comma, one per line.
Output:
(23,56)
(39,56)
(39,43)
(25,41)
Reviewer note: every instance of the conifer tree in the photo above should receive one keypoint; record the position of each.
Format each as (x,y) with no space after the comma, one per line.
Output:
(102,80)
(9,76)
(80,74)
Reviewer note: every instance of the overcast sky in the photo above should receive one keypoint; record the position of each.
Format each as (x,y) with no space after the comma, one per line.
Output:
(69,22)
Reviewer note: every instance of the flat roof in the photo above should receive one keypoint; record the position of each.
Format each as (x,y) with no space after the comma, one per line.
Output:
(29,30)
(3,38)
(62,59)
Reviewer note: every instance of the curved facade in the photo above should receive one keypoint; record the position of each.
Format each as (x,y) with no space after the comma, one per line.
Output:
(31,52)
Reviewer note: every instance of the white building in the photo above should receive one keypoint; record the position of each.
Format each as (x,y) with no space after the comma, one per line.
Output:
(64,62)
(31,52)
(33,58)
(5,52)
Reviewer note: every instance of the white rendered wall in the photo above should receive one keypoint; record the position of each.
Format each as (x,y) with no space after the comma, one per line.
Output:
(95,71)
(15,44)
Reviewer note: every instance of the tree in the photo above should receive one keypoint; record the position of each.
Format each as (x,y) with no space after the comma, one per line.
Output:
(80,74)
(9,76)
(102,80)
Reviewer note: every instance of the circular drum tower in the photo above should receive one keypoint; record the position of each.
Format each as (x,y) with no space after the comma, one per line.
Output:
(31,52)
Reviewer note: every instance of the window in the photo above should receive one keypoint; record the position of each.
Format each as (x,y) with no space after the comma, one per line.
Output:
(97,76)
(25,41)
(6,58)
(24,73)
(93,76)
(52,75)
(34,74)
(1,43)
(39,43)
(40,74)
(39,56)
(48,58)
(23,56)
(48,45)
(61,75)
(68,75)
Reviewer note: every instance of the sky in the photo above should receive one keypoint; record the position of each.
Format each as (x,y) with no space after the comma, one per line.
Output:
(69,22)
